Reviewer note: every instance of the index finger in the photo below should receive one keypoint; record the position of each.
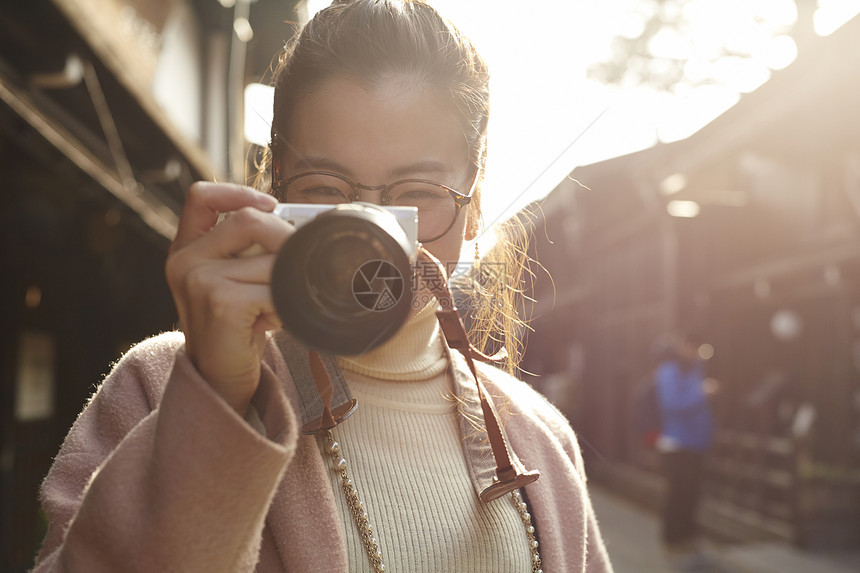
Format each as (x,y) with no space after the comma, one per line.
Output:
(205,200)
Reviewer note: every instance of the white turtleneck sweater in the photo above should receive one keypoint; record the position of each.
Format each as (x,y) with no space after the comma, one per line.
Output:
(404,453)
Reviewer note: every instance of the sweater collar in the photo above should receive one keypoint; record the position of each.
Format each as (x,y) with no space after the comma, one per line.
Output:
(415,352)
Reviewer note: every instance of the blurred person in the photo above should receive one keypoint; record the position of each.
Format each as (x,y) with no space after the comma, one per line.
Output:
(686,433)
(191,456)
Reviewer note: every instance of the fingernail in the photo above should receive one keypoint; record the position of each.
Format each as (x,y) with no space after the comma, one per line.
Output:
(267,201)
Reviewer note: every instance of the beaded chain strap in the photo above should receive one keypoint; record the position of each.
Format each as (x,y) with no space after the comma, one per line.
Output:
(356,506)
(523,510)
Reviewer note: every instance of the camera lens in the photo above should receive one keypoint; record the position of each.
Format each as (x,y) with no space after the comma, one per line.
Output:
(337,259)
(340,283)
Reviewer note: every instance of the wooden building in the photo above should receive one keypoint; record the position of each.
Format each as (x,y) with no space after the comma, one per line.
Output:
(109,110)
(761,261)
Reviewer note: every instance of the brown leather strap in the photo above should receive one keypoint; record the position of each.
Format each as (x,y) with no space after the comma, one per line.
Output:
(508,478)
(455,334)
(329,418)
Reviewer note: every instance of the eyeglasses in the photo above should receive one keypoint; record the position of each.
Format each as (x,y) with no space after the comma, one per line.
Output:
(438,205)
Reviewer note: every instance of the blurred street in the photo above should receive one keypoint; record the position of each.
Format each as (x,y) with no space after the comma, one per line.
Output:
(632,532)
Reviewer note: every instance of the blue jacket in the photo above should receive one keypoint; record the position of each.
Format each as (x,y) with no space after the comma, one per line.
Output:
(684,408)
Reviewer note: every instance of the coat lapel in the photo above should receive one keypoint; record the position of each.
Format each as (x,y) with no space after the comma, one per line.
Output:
(476,445)
(303,518)
(557,500)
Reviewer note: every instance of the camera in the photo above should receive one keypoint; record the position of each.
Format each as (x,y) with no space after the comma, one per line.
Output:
(341,283)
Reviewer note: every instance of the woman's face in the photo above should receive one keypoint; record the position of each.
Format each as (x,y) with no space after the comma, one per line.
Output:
(392,131)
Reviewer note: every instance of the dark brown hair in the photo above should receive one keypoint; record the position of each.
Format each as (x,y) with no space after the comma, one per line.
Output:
(371,40)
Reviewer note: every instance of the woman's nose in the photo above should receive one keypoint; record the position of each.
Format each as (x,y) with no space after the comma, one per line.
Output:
(371,194)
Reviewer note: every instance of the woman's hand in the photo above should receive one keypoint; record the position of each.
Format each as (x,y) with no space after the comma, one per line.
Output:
(222,296)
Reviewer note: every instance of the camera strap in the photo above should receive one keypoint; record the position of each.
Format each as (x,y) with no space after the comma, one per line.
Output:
(508,477)
(324,397)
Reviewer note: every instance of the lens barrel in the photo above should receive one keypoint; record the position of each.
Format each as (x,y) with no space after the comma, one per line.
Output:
(342,283)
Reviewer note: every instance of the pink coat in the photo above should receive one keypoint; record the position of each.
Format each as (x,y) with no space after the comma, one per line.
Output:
(159,474)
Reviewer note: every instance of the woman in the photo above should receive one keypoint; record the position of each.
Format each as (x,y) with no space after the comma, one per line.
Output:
(191,458)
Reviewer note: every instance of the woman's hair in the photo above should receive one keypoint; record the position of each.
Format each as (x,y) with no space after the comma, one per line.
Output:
(373,40)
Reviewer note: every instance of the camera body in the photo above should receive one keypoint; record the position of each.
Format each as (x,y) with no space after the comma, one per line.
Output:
(341,284)
(299,214)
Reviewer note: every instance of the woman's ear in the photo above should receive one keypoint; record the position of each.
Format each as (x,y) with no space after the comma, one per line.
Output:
(473,224)
(275,178)
(276,168)
(473,217)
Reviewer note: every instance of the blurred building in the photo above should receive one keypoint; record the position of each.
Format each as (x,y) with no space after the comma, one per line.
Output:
(109,109)
(748,235)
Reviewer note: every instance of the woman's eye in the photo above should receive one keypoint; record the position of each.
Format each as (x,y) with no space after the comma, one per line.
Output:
(420,195)
(321,191)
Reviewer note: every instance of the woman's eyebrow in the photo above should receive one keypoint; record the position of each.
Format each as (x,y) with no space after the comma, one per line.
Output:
(321,164)
(424,166)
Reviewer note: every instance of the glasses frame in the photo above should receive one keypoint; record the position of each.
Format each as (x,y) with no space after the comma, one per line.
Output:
(460,199)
